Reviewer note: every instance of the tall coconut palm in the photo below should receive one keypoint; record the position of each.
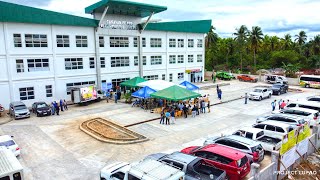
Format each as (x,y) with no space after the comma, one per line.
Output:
(316,45)
(301,39)
(274,43)
(241,39)
(255,36)
(211,37)
(287,41)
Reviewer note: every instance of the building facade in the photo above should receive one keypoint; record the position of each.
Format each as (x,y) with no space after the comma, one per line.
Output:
(43,53)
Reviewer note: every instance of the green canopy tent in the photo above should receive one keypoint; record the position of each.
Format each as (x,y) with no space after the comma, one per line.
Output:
(132,83)
(175,93)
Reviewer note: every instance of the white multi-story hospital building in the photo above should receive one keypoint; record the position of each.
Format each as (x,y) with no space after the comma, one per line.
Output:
(42,53)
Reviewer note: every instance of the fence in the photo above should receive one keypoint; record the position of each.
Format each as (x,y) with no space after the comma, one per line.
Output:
(272,171)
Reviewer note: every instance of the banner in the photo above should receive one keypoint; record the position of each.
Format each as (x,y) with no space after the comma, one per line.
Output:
(288,158)
(289,140)
(304,132)
(302,148)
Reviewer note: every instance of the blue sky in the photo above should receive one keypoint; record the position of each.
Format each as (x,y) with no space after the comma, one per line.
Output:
(275,17)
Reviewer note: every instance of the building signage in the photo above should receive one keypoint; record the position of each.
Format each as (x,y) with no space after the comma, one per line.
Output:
(113,24)
(193,70)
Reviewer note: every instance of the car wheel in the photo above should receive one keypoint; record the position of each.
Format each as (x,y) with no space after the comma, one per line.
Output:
(279,93)
(269,96)
(307,85)
(260,98)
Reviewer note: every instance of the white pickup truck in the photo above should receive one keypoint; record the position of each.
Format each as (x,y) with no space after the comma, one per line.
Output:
(146,169)
(268,143)
(260,93)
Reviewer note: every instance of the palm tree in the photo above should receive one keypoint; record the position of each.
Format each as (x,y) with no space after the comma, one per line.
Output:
(274,41)
(255,36)
(316,45)
(287,42)
(241,38)
(301,39)
(211,37)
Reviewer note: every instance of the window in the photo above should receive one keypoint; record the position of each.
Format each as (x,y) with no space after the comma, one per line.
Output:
(174,164)
(81,41)
(144,43)
(172,42)
(190,43)
(63,41)
(119,42)
(144,60)
(103,62)
(163,77)
(136,61)
(26,93)
(17,40)
(199,58)
(170,77)
(260,134)
(199,43)
(279,129)
(131,177)
(151,77)
(36,40)
(69,85)
(73,63)
(5,178)
(249,135)
(118,175)
(291,105)
(181,76)
(180,43)
(101,41)
(91,63)
(155,42)
(120,61)
(180,59)
(135,42)
(17,176)
(156,60)
(172,59)
(38,65)
(260,126)
(19,66)
(49,90)
(116,82)
(190,58)
(216,157)
(270,128)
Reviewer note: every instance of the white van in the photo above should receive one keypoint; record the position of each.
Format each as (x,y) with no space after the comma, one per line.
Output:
(10,167)
(274,129)
(309,115)
(272,79)
(305,104)
(147,169)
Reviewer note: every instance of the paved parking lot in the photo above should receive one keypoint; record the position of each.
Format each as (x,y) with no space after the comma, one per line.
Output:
(55,147)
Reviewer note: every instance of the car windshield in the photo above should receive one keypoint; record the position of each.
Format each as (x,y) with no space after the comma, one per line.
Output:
(277,85)
(7,143)
(41,105)
(257,90)
(20,107)
(241,162)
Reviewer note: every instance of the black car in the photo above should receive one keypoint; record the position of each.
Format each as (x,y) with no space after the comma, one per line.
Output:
(279,88)
(41,109)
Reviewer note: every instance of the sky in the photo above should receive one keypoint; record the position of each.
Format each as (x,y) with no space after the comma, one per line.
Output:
(275,17)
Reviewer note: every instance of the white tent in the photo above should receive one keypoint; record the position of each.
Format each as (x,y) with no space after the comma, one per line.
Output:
(157,84)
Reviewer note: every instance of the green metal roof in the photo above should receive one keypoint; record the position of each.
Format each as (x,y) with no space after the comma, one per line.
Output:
(200,26)
(123,7)
(10,12)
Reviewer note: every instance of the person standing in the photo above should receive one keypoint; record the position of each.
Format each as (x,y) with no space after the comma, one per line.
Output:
(201,79)
(194,79)
(201,107)
(108,95)
(52,108)
(115,97)
(283,104)
(246,98)
(220,94)
(198,78)
(168,117)
(203,104)
(56,106)
(162,116)
(212,76)
(208,106)
(273,105)
(185,111)
(194,111)
(65,104)
(172,116)
(61,104)
(279,103)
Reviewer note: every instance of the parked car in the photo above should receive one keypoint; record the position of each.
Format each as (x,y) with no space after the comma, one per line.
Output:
(193,167)
(11,169)
(279,88)
(224,75)
(275,79)
(18,110)
(9,143)
(147,169)
(235,163)
(310,115)
(274,129)
(41,109)
(304,104)
(260,93)
(242,144)
(313,98)
(247,78)
(285,118)
(1,109)
(268,143)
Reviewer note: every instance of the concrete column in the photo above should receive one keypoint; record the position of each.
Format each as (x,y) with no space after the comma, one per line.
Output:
(54,64)
(315,130)
(275,159)
(140,56)
(255,171)
(97,59)
(9,70)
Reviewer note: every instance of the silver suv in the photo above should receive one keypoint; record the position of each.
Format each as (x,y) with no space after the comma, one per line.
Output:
(18,110)
(285,118)
(239,143)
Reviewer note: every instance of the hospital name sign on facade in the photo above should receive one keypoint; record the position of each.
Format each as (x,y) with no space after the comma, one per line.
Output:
(113,24)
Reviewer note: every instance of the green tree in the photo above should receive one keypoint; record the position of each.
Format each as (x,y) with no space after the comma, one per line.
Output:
(301,39)
(211,38)
(287,42)
(241,39)
(291,69)
(316,45)
(255,39)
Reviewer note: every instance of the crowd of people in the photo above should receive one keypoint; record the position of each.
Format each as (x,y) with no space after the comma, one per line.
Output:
(281,104)
(192,107)
(57,107)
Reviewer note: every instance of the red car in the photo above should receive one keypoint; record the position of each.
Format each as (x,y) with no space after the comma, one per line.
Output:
(247,78)
(235,163)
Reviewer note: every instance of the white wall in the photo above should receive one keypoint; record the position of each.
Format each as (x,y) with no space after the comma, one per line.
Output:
(2,43)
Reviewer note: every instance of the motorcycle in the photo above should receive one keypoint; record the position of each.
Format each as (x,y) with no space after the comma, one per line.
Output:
(1,109)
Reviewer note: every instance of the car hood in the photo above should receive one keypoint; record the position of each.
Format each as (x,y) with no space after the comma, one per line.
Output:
(254,93)
(275,88)
(22,111)
(43,109)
